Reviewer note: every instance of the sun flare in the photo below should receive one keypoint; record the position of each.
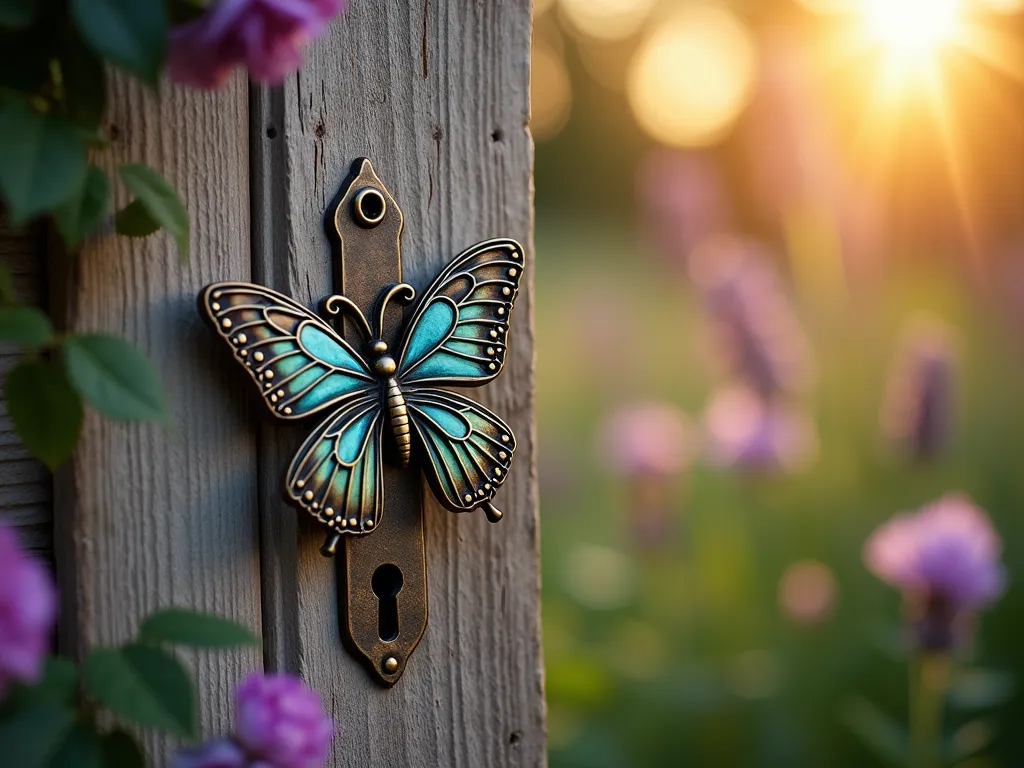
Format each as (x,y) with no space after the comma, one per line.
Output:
(911,29)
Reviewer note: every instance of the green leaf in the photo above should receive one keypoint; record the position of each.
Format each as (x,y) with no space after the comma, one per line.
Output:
(129,33)
(25,325)
(879,733)
(81,749)
(121,750)
(80,215)
(201,630)
(31,735)
(85,82)
(42,160)
(160,200)
(114,377)
(134,220)
(46,411)
(143,685)
(16,14)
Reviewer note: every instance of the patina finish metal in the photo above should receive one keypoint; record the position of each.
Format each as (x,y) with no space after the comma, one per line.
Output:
(375,376)
(368,255)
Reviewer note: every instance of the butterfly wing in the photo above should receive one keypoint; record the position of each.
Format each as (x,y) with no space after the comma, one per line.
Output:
(337,474)
(299,362)
(459,330)
(468,449)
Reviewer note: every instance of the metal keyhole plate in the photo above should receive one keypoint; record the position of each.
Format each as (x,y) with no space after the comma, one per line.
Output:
(386,584)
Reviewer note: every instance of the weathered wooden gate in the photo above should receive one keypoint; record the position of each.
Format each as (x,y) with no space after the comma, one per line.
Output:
(437,94)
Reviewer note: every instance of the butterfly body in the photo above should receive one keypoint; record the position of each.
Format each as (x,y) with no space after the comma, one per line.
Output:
(383,403)
(398,412)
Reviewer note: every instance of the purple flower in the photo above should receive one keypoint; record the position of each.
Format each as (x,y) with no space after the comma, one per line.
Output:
(218,753)
(651,439)
(684,201)
(945,559)
(266,36)
(756,335)
(746,432)
(918,405)
(282,722)
(28,610)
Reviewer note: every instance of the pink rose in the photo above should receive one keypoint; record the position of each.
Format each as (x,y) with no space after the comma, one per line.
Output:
(266,36)
(282,722)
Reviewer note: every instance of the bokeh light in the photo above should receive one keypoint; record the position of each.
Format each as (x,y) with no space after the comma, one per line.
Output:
(807,592)
(717,342)
(551,92)
(691,78)
(606,19)
(599,577)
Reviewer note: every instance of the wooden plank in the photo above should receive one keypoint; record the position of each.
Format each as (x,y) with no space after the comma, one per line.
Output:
(150,516)
(26,487)
(436,94)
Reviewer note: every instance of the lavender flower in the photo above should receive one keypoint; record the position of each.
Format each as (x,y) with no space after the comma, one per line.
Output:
(684,201)
(945,560)
(282,722)
(756,335)
(918,405)
(28,610)
(746,432)
(218,753)
(266,36)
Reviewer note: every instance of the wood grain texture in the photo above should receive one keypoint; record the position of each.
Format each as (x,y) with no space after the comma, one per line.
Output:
(149,515)
(436,94)
(26,487)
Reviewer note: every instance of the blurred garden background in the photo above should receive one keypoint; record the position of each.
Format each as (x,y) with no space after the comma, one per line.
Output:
(780,299)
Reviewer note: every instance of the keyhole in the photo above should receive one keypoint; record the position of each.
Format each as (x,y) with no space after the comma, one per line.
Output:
(386,584)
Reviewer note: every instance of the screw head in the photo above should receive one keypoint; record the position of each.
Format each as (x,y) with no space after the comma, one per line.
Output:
(390,665)
(368,207)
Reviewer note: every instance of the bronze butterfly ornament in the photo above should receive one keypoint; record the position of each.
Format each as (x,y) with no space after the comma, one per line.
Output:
(380,404)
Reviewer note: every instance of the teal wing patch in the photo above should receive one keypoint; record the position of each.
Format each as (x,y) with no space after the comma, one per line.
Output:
(300,364)
(467,449)
(458,334)
(337,474)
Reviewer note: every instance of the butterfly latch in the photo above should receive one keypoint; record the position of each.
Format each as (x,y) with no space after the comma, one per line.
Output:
(377,379)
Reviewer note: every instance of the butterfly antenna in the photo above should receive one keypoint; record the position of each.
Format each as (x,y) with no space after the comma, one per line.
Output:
(401,292)
(343,305)
(493,513)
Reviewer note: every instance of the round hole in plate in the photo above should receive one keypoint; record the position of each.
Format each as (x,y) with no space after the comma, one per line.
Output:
(369,207)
